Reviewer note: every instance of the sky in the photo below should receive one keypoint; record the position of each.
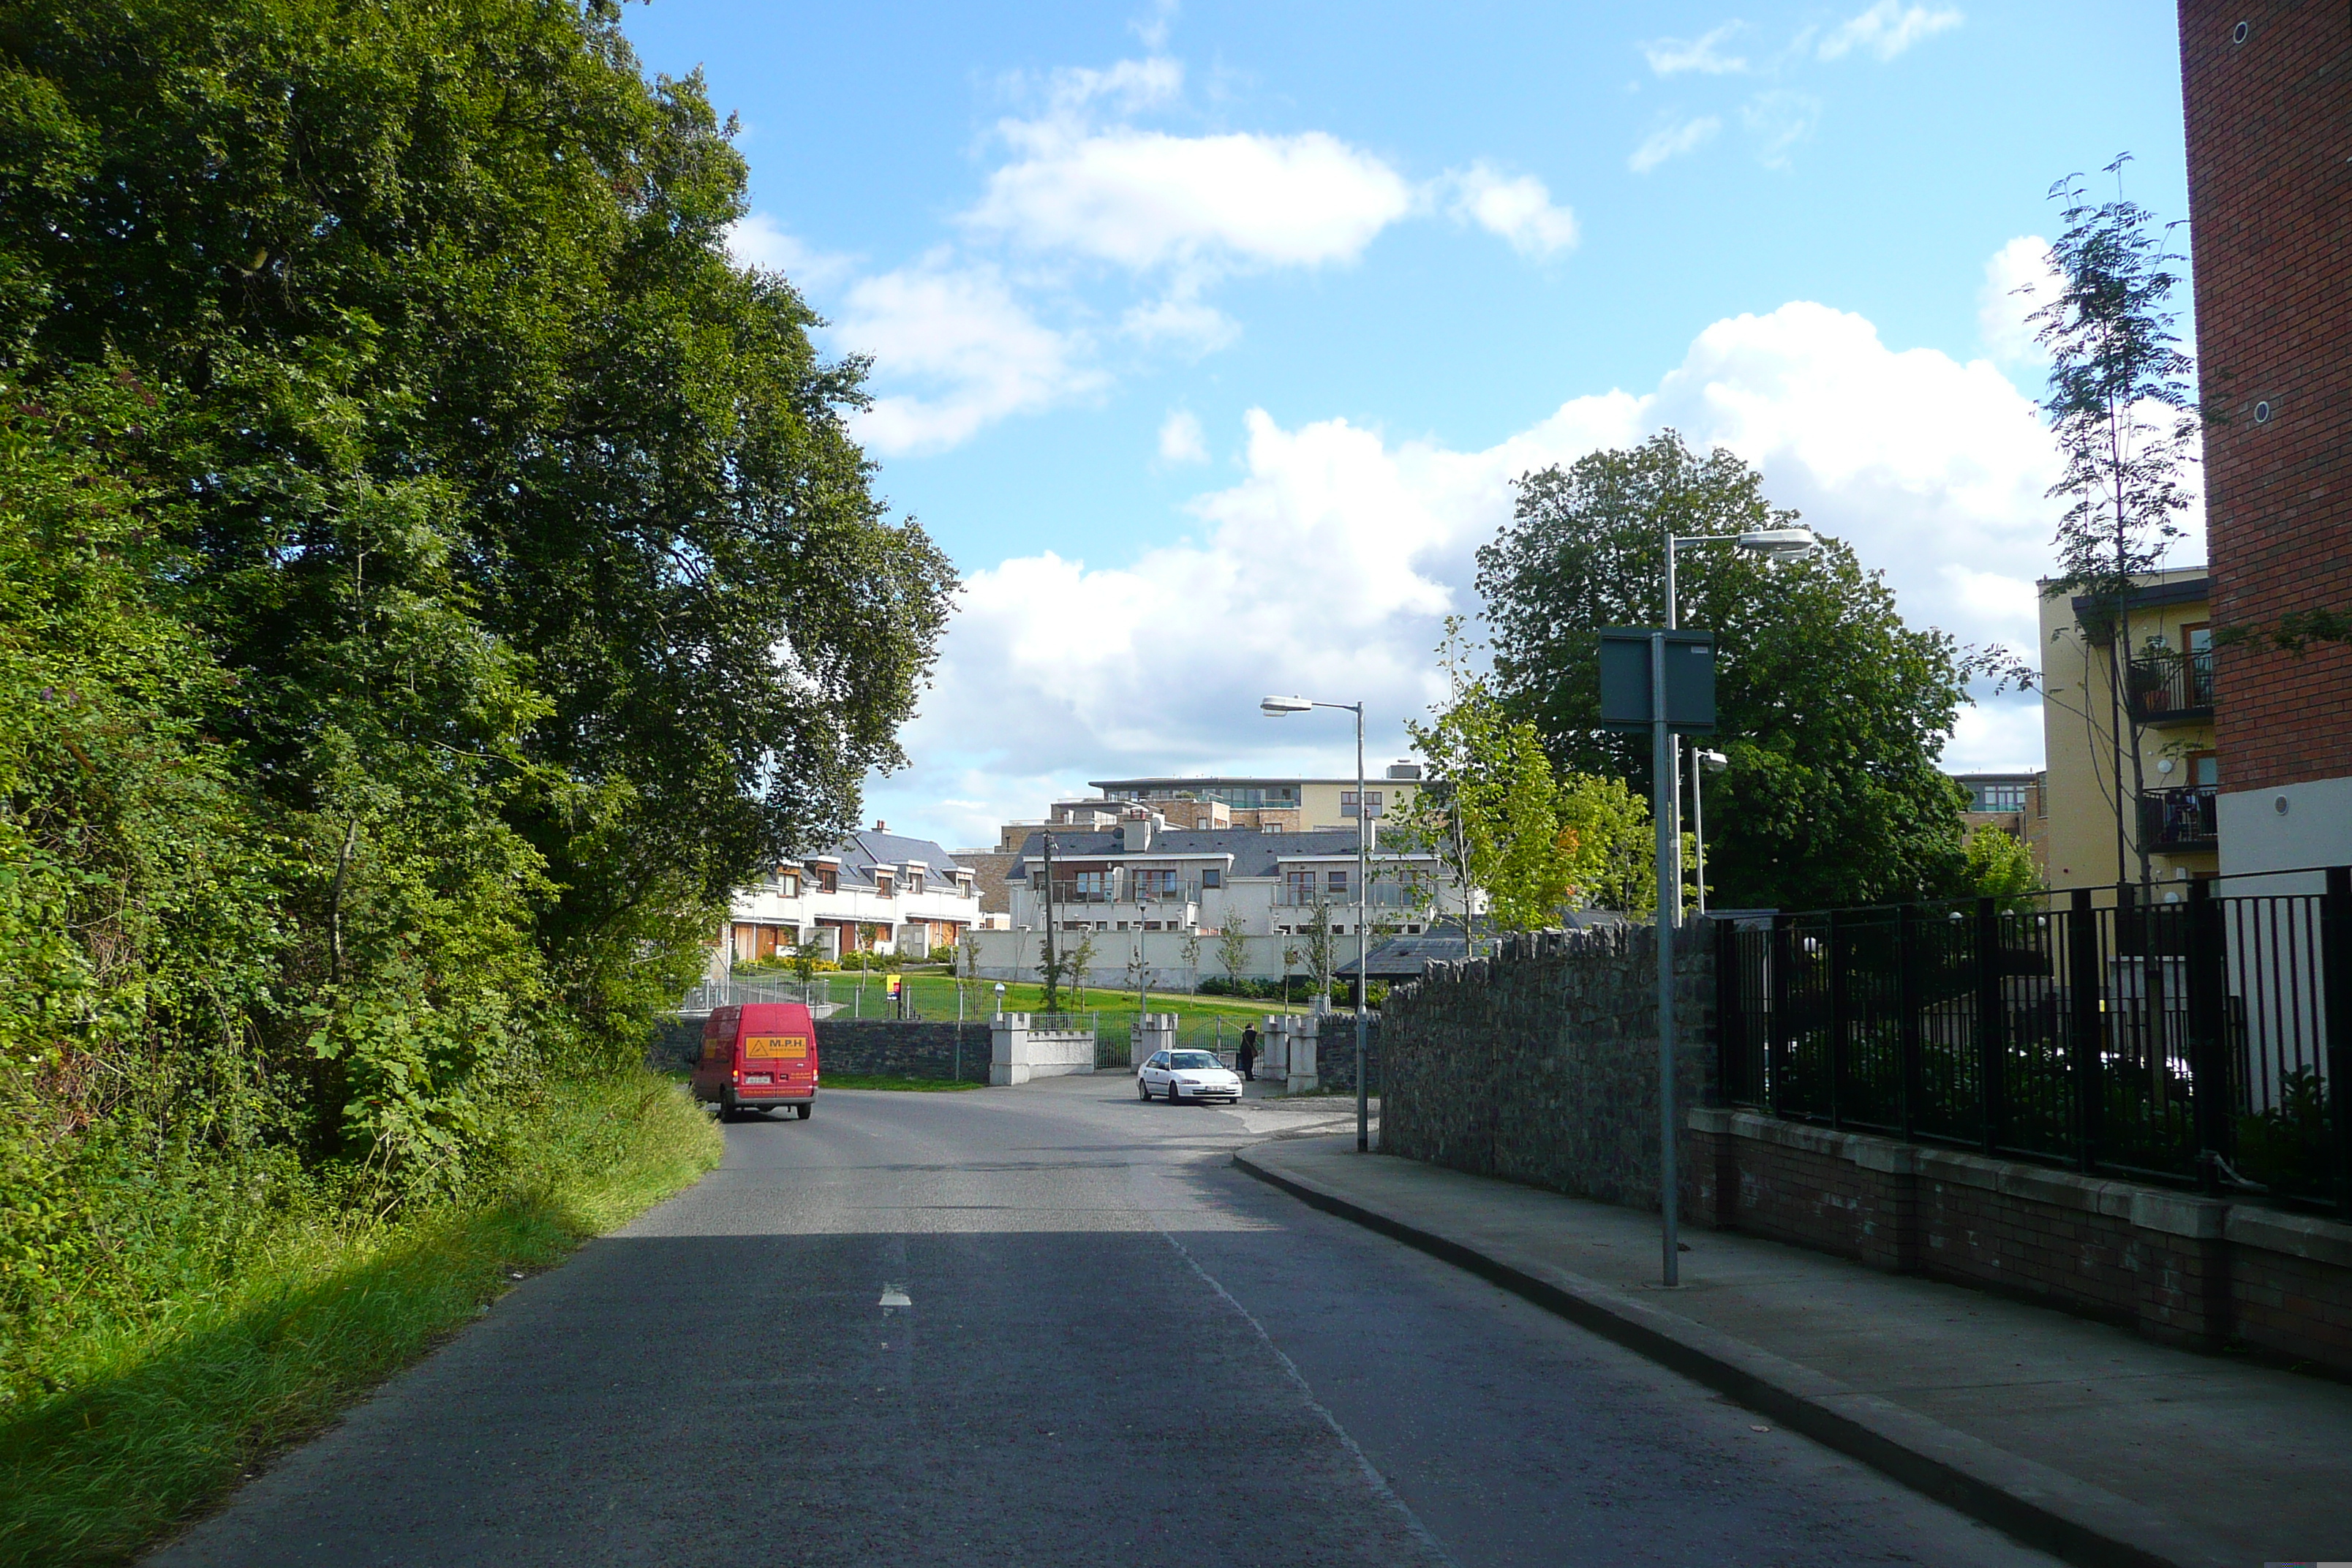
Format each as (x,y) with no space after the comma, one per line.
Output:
(1209,339)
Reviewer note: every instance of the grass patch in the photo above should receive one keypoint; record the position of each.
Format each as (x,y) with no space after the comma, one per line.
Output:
(154,1420)
(888,1080)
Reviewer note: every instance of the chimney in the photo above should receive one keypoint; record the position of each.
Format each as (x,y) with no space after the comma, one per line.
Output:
(881,825)
(1135,835)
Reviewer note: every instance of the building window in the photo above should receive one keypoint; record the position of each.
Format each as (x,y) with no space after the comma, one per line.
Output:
(913,881)
(1300,886)
(2000,797)
(1337,882)
(1094,884)
(1155,885)
(881,883)
(1213,877)
(1371,803)
(827,878)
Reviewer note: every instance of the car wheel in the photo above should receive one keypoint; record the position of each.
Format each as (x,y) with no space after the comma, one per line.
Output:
(1143,1092)
(1175,1094)
(804,1111)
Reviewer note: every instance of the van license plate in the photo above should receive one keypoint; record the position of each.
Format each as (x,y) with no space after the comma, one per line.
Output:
(757,1078)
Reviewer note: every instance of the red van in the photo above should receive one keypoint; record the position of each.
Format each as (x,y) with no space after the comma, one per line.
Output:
(756,1056)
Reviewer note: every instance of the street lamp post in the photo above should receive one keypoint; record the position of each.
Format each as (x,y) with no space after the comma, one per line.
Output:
(1275,708)
(1774,544)
(1703,762)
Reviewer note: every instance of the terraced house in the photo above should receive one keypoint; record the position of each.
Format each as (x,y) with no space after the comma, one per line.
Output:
(871,892)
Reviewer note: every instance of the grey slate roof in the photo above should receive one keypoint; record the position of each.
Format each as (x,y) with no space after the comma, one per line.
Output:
(1254,854)
(862,851)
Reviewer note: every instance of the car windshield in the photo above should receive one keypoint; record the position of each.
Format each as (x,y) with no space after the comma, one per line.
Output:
(1193,1059)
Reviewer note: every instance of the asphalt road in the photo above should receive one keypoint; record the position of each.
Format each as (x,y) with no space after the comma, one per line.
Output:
(1044,1325)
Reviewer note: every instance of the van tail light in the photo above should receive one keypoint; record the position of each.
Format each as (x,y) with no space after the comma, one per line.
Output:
(739,1075)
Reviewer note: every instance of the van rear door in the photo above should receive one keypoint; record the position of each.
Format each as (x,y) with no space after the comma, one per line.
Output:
(779,1055)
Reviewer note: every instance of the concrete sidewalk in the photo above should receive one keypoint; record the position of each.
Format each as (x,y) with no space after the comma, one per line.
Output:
(2078,1437)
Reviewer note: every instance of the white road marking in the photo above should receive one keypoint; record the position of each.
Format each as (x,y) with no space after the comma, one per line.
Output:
(895,1296)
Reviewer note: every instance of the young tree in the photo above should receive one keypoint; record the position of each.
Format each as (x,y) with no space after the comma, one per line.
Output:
(1998,866)
(1500,822)
(1051,967)
(1233,951)
(1317,950)
(2122,406)
(1192,950)
(1077,963)
(1832,710)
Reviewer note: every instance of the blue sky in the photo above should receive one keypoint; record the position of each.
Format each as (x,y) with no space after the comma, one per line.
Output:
(1207,337)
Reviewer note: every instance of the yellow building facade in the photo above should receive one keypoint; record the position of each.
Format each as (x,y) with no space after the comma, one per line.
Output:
(2161,708)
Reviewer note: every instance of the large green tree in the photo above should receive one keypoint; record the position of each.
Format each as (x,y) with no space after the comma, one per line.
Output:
(501,578)
(1831,709)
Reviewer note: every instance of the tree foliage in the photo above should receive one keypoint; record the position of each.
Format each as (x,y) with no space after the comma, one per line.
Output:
(1497,817)
(432,575)
(1832,710)
(2121,407)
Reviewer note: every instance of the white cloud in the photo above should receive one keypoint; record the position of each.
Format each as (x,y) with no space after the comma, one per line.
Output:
(1887,28)
(1180,439)
(959,333)
(759,240)
(1779,119)
(1181,322)
(1672,142)
(2017,280)
(1143,198)
(1520,210)
(1328,565)
(1703,54)
(1153,29)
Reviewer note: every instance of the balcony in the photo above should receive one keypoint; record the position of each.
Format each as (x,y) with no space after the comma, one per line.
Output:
(2175,821)
(1383,896)
(2171,688)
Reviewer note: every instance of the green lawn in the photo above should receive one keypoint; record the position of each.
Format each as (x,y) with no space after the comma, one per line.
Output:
(153,1418)
(935,998)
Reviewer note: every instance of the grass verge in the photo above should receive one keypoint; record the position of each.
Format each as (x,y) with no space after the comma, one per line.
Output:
(887,1080)
(160,1419)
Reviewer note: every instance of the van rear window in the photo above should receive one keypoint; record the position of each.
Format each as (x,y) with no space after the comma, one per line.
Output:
(775,1047)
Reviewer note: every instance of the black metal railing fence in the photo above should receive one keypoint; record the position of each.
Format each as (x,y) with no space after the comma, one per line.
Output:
(2199,1040)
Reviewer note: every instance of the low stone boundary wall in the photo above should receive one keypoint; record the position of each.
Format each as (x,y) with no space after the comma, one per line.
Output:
(1541,1063)
(889,1048)
(2180,1268)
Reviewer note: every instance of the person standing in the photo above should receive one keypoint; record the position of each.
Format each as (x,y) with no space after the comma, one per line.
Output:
(1246,1058)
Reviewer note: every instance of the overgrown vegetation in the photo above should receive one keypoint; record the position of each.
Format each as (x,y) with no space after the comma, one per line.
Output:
(431,576)
(136,1417)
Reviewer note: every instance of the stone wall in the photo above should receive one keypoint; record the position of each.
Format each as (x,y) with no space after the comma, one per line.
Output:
(1335,1054)
(887,1049)
(1539,1063)
(879,1048)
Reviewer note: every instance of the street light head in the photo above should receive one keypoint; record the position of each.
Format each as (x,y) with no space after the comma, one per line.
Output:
(1276,707)
(1714,762)
(1780,543)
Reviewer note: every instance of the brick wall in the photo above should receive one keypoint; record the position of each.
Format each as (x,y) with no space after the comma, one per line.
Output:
(1541,1063)
(2270,198)
(2180,1268)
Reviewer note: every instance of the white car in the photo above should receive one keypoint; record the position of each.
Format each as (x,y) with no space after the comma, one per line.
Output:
(1187,1075)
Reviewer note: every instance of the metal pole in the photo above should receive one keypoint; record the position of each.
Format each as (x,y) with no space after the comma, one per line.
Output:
(1364,866)
(1698,825)
(1661,793)
(1673,747)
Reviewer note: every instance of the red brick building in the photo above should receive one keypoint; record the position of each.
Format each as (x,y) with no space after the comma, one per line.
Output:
(2266,89)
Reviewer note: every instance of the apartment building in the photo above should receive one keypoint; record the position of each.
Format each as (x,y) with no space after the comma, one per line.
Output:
(2158,705)
(2015,803)
(1147,892)
(2266,89)
(871,892)
(1271,805)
